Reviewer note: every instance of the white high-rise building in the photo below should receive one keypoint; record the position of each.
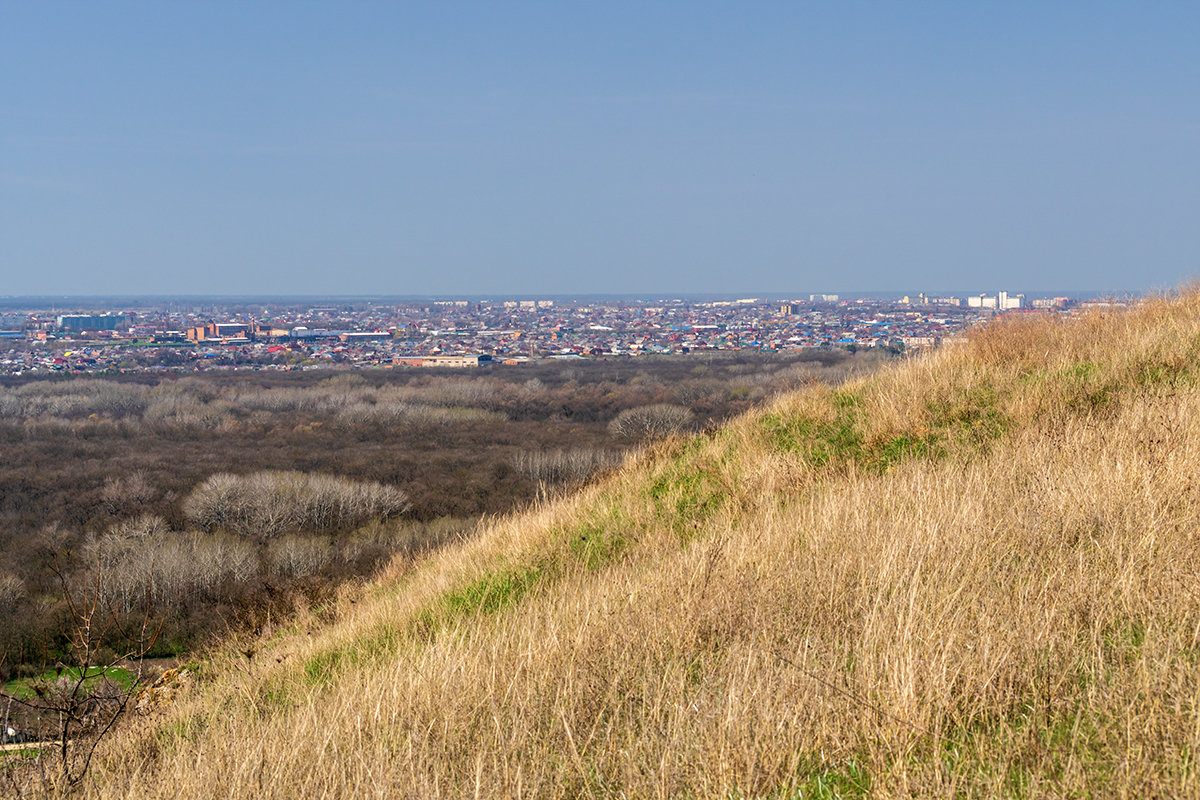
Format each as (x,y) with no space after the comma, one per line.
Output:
(1006,303)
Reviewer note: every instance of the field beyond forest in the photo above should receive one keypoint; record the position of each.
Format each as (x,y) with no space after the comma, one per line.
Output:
(971,574)
(122,489)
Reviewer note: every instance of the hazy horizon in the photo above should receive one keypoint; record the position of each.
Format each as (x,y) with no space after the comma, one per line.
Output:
(117,299)
(988,289)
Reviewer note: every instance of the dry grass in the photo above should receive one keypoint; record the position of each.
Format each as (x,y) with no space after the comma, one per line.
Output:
(975,575)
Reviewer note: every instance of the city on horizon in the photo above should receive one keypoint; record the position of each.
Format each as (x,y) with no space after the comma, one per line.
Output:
(319,333)
(232,297)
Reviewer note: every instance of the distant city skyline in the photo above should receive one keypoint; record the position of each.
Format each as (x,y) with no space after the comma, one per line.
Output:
(623,149)
(373,334)
(118,300)
(118,297)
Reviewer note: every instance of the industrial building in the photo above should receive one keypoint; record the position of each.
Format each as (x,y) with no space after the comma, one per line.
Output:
(443,361)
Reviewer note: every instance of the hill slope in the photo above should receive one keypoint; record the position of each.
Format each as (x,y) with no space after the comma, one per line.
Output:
(975,574)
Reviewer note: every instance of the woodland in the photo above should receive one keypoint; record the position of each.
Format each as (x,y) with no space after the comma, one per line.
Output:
(178,508)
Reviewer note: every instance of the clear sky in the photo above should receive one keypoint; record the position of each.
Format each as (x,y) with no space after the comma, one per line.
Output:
(609,147)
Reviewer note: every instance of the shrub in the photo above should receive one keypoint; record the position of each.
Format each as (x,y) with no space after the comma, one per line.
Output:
(269,503)
(651,422)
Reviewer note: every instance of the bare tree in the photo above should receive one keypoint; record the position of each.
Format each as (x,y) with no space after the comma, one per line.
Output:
(140,562)
(298,556)
(565,466)
(12,590)
(651,422)
(271,502)
(126,492)
(85,697)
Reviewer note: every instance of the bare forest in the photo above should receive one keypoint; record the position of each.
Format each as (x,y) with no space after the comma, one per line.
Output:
(197,505)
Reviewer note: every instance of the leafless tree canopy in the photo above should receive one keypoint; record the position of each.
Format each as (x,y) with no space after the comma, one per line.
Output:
(12,589)
(651,422)
(124,493)
(141,561)
(298,556)
(565,466)
(271,502)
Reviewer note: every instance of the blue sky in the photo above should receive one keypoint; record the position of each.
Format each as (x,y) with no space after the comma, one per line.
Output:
(558,148)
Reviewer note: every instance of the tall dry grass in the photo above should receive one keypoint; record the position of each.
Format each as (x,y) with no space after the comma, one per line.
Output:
(974,575)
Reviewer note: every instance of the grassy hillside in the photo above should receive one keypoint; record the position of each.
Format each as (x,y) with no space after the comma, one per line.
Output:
(976,574)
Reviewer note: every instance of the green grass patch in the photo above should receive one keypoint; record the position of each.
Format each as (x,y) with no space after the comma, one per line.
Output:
(685,495)
(596,544)
(845,400)
(847,780)
(903,447)
(971,416)
(1123,641)
(1032,745)
(28,688)
(1091,398)
(491,593)
(11,759)
(1086,387)
(1175,373)
(824,442)
(1031,741)
(818,442)
(1083,371)
(321,668)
